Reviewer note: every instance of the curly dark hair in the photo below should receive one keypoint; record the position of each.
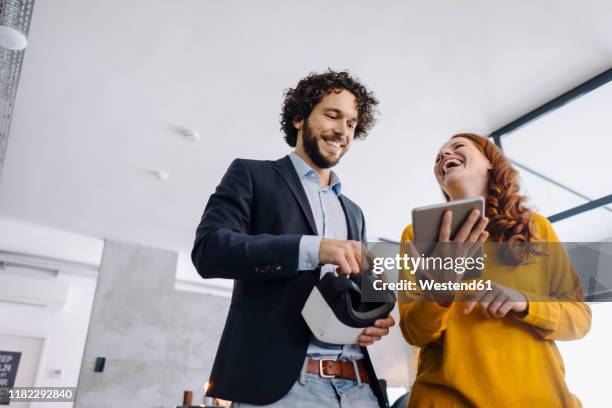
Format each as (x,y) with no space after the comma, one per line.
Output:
(300,101)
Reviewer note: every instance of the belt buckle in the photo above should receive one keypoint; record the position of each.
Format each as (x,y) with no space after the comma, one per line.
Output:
(321,373)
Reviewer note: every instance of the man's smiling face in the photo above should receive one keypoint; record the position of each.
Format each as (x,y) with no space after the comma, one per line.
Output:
(327,134)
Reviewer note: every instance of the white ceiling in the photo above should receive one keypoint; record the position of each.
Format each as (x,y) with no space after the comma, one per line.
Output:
(106,85)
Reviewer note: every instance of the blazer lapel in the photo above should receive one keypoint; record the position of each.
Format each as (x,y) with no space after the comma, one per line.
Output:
(351,224)
(285,168)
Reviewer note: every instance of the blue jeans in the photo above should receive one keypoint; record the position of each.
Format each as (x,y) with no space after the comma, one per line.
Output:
(312,391)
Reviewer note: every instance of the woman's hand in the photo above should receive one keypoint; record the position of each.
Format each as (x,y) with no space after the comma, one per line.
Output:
(498,302)
(465,243)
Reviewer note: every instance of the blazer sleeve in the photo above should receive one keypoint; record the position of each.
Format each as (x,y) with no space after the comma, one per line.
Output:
(223,246)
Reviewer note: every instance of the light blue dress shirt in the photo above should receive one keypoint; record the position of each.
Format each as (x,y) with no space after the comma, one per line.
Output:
(331,223)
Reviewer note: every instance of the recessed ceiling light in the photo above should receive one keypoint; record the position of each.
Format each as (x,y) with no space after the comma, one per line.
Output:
(161,175)
(191,135)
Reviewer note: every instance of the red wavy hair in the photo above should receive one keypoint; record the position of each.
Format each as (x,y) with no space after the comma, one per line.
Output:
(509,220)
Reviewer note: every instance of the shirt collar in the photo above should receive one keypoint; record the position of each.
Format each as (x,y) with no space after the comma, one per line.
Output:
(305,171)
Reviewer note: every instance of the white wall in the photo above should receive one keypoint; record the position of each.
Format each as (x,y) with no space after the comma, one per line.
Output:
(56,256)
(64,330)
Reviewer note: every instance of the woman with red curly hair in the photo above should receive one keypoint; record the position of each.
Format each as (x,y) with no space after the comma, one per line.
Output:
(497,349)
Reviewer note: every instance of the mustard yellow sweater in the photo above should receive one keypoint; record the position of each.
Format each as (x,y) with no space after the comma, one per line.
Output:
(475,361)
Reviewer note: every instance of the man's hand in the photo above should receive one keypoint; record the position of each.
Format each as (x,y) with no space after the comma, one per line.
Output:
(498,302)
(351,257)
(374,333)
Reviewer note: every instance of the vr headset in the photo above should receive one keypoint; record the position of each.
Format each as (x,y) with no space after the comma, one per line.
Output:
(334,310)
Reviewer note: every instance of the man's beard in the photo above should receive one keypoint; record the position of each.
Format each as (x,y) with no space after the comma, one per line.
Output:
(312,149)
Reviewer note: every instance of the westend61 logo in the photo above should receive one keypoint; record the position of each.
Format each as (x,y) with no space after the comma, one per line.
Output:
(408,263)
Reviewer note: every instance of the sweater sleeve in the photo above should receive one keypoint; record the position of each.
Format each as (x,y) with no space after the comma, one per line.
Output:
(561,314)
(422,322)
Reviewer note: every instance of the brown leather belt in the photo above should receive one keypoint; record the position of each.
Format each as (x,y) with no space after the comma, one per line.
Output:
(340,369)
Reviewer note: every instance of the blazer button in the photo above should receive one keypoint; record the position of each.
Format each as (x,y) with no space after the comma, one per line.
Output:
(257,269)
(278,268)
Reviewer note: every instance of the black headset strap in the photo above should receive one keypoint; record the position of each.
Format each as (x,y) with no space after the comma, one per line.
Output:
(331,286)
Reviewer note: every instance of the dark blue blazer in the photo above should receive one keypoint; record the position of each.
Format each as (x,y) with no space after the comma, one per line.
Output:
(250,232)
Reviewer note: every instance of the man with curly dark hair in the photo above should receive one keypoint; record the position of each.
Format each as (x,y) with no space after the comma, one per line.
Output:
(275,228)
